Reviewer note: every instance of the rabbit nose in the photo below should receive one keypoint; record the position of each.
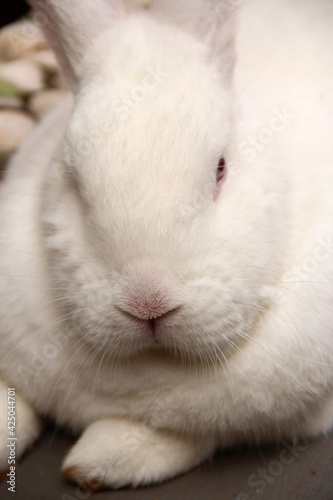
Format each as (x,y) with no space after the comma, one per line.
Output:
(147,291)
(148,306)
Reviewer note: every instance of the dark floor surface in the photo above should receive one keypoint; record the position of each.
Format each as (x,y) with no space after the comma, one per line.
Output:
(303,472)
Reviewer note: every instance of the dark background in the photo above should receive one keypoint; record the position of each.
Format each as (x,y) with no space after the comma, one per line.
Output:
(10,10)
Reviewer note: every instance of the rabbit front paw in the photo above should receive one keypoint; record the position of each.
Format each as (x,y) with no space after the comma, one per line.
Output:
(113,453)
(19,427)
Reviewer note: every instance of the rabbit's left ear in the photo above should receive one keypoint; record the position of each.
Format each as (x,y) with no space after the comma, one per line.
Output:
(72,26)
(212,21)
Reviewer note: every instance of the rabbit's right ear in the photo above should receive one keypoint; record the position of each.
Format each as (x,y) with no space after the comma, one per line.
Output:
(71,27)
(211,21)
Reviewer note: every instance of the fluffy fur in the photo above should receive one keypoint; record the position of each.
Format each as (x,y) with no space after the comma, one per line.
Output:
(138,307)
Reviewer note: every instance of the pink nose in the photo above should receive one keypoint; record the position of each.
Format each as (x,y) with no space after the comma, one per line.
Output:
(147,291)
(148,306)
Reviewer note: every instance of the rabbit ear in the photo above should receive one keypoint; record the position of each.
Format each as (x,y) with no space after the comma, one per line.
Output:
(212,21)
(71,26)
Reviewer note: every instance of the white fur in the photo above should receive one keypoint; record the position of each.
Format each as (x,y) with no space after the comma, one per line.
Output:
(105,444)
(108,219)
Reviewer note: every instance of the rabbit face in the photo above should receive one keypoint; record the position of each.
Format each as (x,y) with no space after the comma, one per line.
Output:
(153,250)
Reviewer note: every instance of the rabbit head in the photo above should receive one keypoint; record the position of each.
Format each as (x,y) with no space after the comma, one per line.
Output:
(156,244)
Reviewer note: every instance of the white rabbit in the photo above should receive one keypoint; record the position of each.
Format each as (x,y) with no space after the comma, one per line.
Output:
(146,257)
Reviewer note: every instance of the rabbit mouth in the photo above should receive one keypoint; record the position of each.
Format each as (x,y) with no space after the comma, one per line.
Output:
(153,331)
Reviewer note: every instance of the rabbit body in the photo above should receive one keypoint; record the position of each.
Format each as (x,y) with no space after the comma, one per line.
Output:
(105,226)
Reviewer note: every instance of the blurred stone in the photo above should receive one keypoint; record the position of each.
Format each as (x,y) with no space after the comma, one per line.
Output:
(19,39)
(59,81)
(22,75)
(15,126)
(42,102)
(46,60)
(10,102)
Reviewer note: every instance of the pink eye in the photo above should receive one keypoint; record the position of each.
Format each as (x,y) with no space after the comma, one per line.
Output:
(220,171)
